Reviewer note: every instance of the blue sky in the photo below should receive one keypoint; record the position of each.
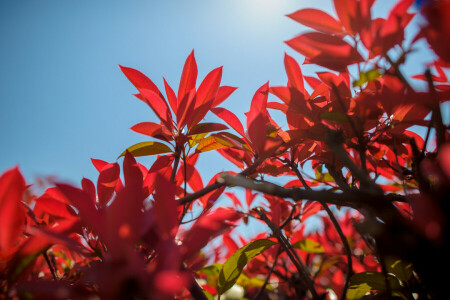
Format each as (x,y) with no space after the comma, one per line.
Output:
(64,99)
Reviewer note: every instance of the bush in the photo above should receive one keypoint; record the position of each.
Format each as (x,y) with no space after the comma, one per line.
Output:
(127,237)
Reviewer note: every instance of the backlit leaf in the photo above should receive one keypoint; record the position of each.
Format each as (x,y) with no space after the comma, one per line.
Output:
(309,245)
(188,76)
(147,148)
(233,267)
(206,128)
(317,19)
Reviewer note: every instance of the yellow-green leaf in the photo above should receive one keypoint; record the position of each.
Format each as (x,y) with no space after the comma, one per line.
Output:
(375,280)
(309,245)
(195,138)
(365,77)
(233,267)
(355,292)
(147,148)
(212,143)
(401,269)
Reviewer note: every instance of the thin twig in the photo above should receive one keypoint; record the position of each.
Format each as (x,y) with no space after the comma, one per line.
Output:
(214,186)
(338,228)
(261,290)
(52,270)
(299,265)
(436,115)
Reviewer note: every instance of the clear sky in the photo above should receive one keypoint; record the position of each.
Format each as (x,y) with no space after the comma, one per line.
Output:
(64,99)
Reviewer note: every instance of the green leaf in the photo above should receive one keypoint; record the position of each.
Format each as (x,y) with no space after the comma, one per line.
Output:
(309,245)
(374,280)
(365,77)
(401,269)
(233,267)
(147,148)
(334,116)
(247,282)
(195,138)
(208,295)
(357,291)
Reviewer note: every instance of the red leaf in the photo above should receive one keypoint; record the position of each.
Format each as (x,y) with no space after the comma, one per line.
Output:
(188,77)
(282,92)
(89,187)
(159,106)
(235,156)
(165,207)
(152,129)
(256,119)
(86,209)
(98,164)
(234,199)
(185,108)
(222,94)
(139,80)
(346,10)
(12,213)
(294,73)
(124,217)
(317,20)
(207,227)
(444,159)
(56,208)
(249,197)
(107,181)
(205,95)
(325,50)
(206,127)
(278,106)
(162,165)
(230,119)
(171,97)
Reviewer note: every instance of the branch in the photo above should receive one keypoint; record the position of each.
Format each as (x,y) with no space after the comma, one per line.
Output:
(214,186)
(334,141)
(356,199)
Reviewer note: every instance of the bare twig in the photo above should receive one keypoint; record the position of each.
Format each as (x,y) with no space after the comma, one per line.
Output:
(436,115)
(299,265)
(261,290)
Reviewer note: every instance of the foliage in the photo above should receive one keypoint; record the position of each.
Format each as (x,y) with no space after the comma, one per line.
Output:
(126,237)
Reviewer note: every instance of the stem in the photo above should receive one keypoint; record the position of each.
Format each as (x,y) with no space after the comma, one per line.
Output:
(436,116)
(338,228)
(399,73)
(52,270)
(261,290)
(334,141)
(175,165)
(299,265)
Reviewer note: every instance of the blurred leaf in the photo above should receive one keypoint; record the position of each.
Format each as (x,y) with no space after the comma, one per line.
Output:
(401,269)
(355,292)
(147,148)
(334,116)
(208,295)
(365,77)
(309,245)
(233,267)
(374,280)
